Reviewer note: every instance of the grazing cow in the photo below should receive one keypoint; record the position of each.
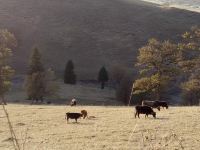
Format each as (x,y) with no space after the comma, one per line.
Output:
(73,116)
(144,110)
(162,104)
(48,102)
(153,104)
(73,102)
(84,113)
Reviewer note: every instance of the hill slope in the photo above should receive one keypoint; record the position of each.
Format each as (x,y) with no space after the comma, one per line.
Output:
(91,32)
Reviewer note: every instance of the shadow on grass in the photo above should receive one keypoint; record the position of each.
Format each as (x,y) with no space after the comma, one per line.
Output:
(161,118)
(151,118)
(81,123)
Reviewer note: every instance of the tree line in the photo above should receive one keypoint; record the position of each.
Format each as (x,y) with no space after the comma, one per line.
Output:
(163,67)
(39,83)
(164,64)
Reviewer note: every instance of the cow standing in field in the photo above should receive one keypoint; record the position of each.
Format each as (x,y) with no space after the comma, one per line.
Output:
(75,116)
(144,110)
(162,104)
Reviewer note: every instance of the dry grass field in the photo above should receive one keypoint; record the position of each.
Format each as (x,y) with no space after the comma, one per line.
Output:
(113,128)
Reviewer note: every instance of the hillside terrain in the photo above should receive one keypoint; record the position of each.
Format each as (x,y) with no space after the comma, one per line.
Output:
(85,94)
(114,128)
(91,32)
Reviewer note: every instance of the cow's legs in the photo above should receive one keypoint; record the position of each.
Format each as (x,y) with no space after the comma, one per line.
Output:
(135,114)
(138,115)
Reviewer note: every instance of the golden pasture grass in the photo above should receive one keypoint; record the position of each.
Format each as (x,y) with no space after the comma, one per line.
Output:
(114,128)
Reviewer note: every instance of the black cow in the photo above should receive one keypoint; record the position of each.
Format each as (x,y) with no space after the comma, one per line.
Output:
(152,104)
(73,116)
(155,104)
(162,104)
(144,110)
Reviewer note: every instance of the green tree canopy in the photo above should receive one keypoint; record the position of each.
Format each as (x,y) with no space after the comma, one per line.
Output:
(190,64)
(157,62)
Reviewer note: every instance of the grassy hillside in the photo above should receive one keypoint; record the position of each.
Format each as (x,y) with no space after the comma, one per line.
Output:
(91,32)
(114,128)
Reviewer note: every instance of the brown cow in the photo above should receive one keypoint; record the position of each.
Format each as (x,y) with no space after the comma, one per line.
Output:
(84,113)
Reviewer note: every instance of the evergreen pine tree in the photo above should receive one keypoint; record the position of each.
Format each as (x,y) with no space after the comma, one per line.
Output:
(69,75)
(103,77)
(35,80)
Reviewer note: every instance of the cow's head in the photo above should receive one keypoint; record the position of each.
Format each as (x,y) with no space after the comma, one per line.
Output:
(158,108)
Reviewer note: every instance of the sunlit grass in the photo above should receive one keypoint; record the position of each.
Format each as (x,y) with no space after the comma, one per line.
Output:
(113,128)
